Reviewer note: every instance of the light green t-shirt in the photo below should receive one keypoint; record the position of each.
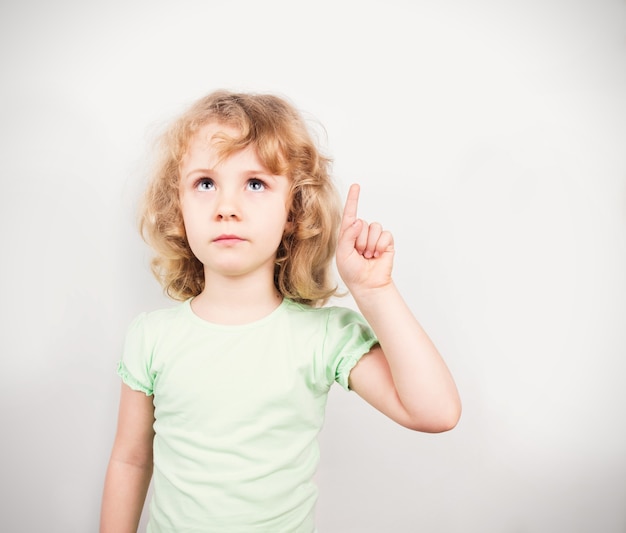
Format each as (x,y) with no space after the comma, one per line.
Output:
(237,412)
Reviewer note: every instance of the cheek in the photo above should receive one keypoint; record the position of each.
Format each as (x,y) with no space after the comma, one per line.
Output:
(190,226)
(286,225)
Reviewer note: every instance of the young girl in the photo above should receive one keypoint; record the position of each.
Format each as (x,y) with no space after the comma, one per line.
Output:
(223,395)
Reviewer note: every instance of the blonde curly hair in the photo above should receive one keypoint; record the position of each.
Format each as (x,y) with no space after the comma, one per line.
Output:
(285,147)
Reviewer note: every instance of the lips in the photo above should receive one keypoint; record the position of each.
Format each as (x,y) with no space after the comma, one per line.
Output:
(228,239)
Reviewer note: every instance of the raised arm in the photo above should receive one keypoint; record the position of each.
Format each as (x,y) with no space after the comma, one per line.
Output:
(130,467)
(404,377)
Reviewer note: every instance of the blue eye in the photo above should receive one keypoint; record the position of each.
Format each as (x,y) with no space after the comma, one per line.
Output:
(256,185)
(205,184)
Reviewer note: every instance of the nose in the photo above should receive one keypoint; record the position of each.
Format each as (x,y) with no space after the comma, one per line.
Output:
(227,207)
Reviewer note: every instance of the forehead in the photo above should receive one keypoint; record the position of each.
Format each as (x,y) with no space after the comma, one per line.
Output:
(203,142)
(207,134)
(218,141)
(204,150)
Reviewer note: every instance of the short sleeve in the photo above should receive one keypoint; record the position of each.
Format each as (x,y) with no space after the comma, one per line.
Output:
(135,366)
(348,338)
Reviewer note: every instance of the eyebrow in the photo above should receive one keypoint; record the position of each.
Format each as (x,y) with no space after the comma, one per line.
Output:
(249,173)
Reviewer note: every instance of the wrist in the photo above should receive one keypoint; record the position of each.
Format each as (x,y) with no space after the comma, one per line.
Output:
(373,297)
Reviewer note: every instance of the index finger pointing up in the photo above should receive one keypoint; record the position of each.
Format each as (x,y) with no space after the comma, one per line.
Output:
(349,211)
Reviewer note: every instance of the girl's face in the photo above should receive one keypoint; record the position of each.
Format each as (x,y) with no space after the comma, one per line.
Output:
(234,210)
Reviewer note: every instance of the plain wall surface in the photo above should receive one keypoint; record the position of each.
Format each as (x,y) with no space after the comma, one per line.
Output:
(490,137)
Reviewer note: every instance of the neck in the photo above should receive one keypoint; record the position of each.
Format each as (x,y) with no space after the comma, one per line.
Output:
(233,301)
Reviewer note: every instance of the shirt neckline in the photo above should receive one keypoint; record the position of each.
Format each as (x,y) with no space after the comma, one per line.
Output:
(234,327)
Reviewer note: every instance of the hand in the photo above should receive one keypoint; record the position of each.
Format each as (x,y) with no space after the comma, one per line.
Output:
(364,251)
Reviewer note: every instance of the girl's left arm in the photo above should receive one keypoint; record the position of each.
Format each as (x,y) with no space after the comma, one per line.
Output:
(404,377)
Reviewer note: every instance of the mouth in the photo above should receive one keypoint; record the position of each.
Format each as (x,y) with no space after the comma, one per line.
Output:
(228,239)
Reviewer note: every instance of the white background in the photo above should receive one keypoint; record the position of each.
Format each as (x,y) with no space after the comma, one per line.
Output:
(490,137)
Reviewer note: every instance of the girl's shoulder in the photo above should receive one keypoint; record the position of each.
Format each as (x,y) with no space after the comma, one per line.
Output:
(158,319)
(327,314)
